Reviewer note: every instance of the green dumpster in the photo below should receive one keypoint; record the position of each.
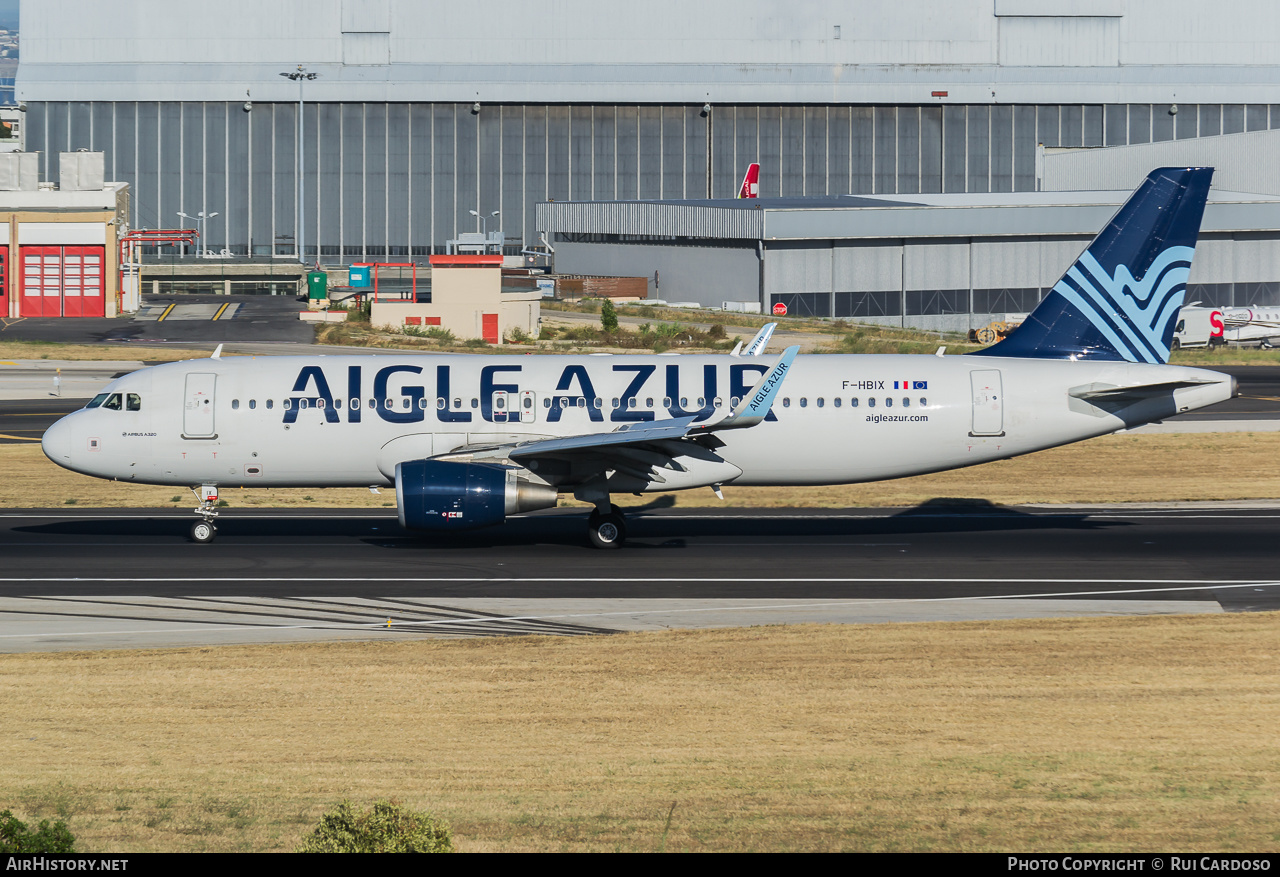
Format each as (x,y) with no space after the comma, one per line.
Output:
(317,285)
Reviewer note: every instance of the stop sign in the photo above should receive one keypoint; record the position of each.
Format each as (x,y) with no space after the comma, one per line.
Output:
(780,309)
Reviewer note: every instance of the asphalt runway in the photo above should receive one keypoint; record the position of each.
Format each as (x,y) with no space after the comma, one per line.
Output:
(95,579)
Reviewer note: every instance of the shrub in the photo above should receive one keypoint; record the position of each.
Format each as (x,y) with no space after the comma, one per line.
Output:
(385,828)
(16,837)
(608,316)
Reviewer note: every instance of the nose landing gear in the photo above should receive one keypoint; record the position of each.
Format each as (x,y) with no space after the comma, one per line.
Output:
(203,530)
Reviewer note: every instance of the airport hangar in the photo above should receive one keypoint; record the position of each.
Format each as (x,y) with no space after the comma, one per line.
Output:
(426,121)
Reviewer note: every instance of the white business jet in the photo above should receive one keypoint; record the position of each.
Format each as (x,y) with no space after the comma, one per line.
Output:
(469,440)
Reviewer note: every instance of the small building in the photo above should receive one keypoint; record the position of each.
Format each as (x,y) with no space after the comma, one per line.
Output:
(58,246)
(466,299)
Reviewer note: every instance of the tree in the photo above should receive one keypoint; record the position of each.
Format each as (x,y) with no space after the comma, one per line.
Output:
(608,316)
(385,828)
(16,837)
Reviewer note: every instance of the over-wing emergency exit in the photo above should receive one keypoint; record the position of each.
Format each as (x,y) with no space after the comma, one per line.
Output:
(468,440)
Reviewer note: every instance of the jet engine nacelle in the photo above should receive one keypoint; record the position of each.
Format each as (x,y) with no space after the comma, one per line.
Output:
(438,495)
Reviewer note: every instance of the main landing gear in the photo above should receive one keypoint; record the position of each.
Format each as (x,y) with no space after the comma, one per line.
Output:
(203,530)
(607,529)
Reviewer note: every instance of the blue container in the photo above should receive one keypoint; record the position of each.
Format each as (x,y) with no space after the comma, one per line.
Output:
(359,275)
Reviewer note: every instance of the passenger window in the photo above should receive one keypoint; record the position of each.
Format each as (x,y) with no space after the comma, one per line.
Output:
(133,402)
(285,404)
(923,402)
(702,402)
(906,403)
(648,403)
(253,403)
(113,402)
(404,403)
(615,403)
(733,403)
(337,403)
(786,401)
(355,403)
(546,402)
(871,403)
(271,403)
(666,401)
(888,402)
(716,401)
(853,403)
(373,403)
(422,404)
(821,402)
(804,402)
(582,402)
(97,400)
(836,401)
(597,403)
(235,405)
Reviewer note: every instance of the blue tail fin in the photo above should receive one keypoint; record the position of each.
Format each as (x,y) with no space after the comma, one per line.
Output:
(1120,299)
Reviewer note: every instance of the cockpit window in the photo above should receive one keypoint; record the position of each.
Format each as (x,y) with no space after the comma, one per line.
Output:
(113,402)
(97,400)
(133,402)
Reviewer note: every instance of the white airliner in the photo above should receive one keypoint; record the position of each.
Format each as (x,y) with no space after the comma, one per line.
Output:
(468,440)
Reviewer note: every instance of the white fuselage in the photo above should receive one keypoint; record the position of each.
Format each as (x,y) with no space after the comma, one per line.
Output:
(325,421)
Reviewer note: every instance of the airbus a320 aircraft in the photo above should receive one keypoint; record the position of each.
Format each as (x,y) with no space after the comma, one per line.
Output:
(468,440)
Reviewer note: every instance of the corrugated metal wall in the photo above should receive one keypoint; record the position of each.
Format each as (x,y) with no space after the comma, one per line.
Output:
(400,179)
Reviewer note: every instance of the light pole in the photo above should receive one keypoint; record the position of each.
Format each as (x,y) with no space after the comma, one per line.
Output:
(199,219)
(300,76)
(484,225)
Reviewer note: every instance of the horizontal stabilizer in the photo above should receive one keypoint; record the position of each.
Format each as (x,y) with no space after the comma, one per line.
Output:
(1102,393)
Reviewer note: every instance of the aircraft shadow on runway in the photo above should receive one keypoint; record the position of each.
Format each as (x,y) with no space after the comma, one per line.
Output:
(649,527)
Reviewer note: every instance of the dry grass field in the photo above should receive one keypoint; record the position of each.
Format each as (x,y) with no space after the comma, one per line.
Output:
(1118,734)
(11,350)
(1132,468)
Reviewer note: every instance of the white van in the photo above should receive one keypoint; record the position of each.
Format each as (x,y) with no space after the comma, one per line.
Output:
(1198,327)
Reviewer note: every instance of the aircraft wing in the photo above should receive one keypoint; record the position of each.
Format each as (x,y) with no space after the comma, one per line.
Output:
(761,341)
(670,438)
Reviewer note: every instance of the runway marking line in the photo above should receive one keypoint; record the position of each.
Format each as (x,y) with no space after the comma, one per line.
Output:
(218,315)
(166,311)
(506,619)
(18,438)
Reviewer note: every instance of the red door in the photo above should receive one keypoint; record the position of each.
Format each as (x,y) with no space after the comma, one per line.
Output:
(489,327)
(63,281)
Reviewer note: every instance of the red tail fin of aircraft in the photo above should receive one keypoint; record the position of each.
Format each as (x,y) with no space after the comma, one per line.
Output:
(751,183)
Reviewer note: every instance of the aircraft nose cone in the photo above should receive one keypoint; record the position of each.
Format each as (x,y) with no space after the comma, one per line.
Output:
(56,443)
